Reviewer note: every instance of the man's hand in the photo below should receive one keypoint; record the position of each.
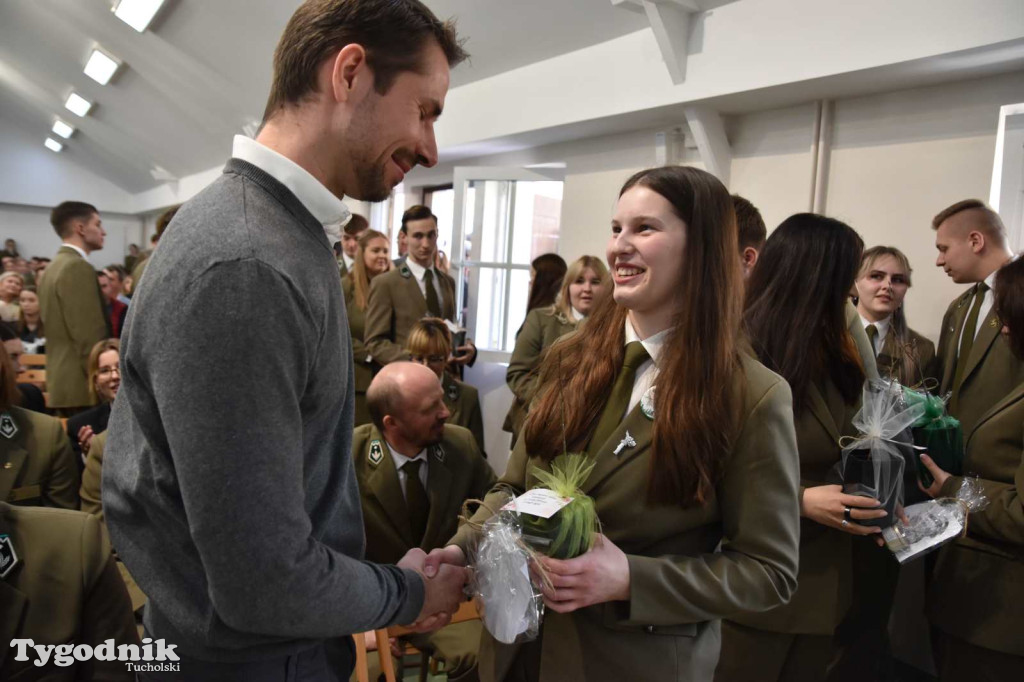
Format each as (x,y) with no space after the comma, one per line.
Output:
(442,593)
(463,355)
(85,435)
(452,554)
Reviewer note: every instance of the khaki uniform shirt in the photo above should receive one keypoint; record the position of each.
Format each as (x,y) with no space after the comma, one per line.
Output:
(37,465)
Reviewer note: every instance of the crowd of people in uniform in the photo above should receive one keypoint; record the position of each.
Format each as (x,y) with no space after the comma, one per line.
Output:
(215,461)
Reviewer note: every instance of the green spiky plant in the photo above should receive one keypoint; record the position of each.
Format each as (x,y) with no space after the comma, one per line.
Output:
(570,531)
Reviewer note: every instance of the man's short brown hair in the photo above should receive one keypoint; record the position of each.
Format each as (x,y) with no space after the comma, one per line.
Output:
(417,212)
(393,33)
(989,221)
(752,231)
(63,215)
(165,219)
(356,225)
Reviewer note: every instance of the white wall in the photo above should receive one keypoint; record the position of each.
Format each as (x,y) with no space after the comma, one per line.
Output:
(30,227)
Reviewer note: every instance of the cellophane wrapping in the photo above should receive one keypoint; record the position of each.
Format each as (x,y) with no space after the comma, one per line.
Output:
(931,524)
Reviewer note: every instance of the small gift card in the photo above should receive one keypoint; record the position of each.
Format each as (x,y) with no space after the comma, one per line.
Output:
(538,502)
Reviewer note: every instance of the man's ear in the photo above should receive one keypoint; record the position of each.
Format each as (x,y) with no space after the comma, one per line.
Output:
(976,240)
(388,421)
(749,259)
(348,72)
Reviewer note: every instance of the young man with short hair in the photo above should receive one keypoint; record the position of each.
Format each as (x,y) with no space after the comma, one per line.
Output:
(226,487)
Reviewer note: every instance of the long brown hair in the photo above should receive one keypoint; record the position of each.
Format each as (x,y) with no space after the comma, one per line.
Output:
(1009,303)
(360,278)
(909,362)
(23,325)
(575,271)
(795,313)
(548,273)
(695,419)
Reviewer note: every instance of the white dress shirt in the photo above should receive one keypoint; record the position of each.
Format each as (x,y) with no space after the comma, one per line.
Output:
(576,315)
(400,460)
(883,330)
(418,271)
(647,373)
(986,307)
(79,250)
(328,209)
(349,262)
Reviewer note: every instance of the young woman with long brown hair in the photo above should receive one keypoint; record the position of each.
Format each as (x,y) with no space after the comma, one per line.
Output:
(693,447)
(371,260)
(795,319)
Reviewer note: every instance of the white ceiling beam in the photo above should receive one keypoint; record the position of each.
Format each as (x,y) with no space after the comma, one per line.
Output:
(708,132)
(671,25)
(631,5)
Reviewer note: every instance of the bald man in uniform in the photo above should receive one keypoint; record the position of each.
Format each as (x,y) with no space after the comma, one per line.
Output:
(414,473)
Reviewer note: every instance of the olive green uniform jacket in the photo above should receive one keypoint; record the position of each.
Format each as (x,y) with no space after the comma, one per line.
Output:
(362,366)
(992,371)
(977,591)
(64,589)
(463,401)
(396,304)
(681,583)
(456,472)
(37,465)
(543,326)
(72,311)
(921,352)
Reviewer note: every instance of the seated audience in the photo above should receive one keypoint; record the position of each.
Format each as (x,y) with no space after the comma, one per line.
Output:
(11,284)
(430,344)
(104,380)
(572,298)
(30,322)
(38,466)
(796,320)
(415,471)
(63,588)
(882,284)
(371,259)
(976,598)
(32,397)
(118,275)
(116,309)
(10,249)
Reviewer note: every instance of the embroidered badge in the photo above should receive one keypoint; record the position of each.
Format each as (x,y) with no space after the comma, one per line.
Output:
(626,442)
(994,323)
(439,453)
(7,426)
(453,392)
(647,403)
(404,271)
(8,557)
(376,453)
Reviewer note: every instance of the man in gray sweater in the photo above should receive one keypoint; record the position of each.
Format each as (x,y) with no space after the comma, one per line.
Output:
(229,487)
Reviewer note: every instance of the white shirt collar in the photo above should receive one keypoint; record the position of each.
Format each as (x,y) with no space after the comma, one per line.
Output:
(417,270)
(990,280)
(79,250)
(653,344)
(328,209)
(882,325)
(349,262)
(400,459)
(576,315)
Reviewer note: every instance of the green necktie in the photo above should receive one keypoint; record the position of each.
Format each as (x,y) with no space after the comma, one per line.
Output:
(433,306)
(416,500)
(872,332)
(618,399)
(967,341)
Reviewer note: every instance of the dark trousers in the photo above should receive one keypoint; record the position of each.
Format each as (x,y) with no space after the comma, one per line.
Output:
(957,659)
(311,665)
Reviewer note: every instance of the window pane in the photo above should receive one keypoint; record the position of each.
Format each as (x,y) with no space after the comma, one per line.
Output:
(442,204)
(518,297)
(486,307)
(538,211)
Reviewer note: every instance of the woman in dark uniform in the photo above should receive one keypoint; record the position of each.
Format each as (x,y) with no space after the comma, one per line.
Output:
(371,260)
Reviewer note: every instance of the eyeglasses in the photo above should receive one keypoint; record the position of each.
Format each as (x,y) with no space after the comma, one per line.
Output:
(107,371)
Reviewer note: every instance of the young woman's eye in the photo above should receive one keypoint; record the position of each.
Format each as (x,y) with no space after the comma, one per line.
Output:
(616,229)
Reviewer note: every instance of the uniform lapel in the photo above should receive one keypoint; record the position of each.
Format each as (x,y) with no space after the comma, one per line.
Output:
(988,333)
(1012,398)
(12,458)
(606,462)
(439,485)
(383,483)
(819,408)
(956,324)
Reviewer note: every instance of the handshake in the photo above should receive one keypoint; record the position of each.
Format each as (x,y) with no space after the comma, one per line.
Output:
(444,576)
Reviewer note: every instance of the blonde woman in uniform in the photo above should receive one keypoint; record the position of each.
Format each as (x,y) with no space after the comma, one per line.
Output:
(371,260)
(696,473)
(584,281)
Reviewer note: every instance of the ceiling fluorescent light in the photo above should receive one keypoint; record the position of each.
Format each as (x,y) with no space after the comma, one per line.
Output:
(101,67)
(137,13)
(78,105)
(63,129)
(53,145)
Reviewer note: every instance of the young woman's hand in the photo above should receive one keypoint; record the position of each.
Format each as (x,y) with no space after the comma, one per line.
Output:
(830,506)
(600,575)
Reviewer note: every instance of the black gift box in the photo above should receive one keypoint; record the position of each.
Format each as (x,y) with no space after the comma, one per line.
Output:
(859,479)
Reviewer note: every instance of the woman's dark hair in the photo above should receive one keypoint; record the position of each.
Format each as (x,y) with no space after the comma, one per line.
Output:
(547,282)
(22,325)
(1009,303)
(795,312)
(695,414)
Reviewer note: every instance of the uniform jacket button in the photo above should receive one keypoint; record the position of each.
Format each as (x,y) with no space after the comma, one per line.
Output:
(650,629)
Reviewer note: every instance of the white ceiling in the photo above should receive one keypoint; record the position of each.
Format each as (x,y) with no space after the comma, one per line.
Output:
(202,71)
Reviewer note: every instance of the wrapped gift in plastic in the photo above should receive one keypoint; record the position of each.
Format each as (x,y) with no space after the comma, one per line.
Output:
(872,464)
(568,530)
(931,524)
(938,434)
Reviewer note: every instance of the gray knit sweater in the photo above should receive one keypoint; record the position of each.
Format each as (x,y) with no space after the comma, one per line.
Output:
(228,484)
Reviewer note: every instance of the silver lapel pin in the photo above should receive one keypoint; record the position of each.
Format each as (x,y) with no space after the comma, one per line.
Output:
(626,442)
